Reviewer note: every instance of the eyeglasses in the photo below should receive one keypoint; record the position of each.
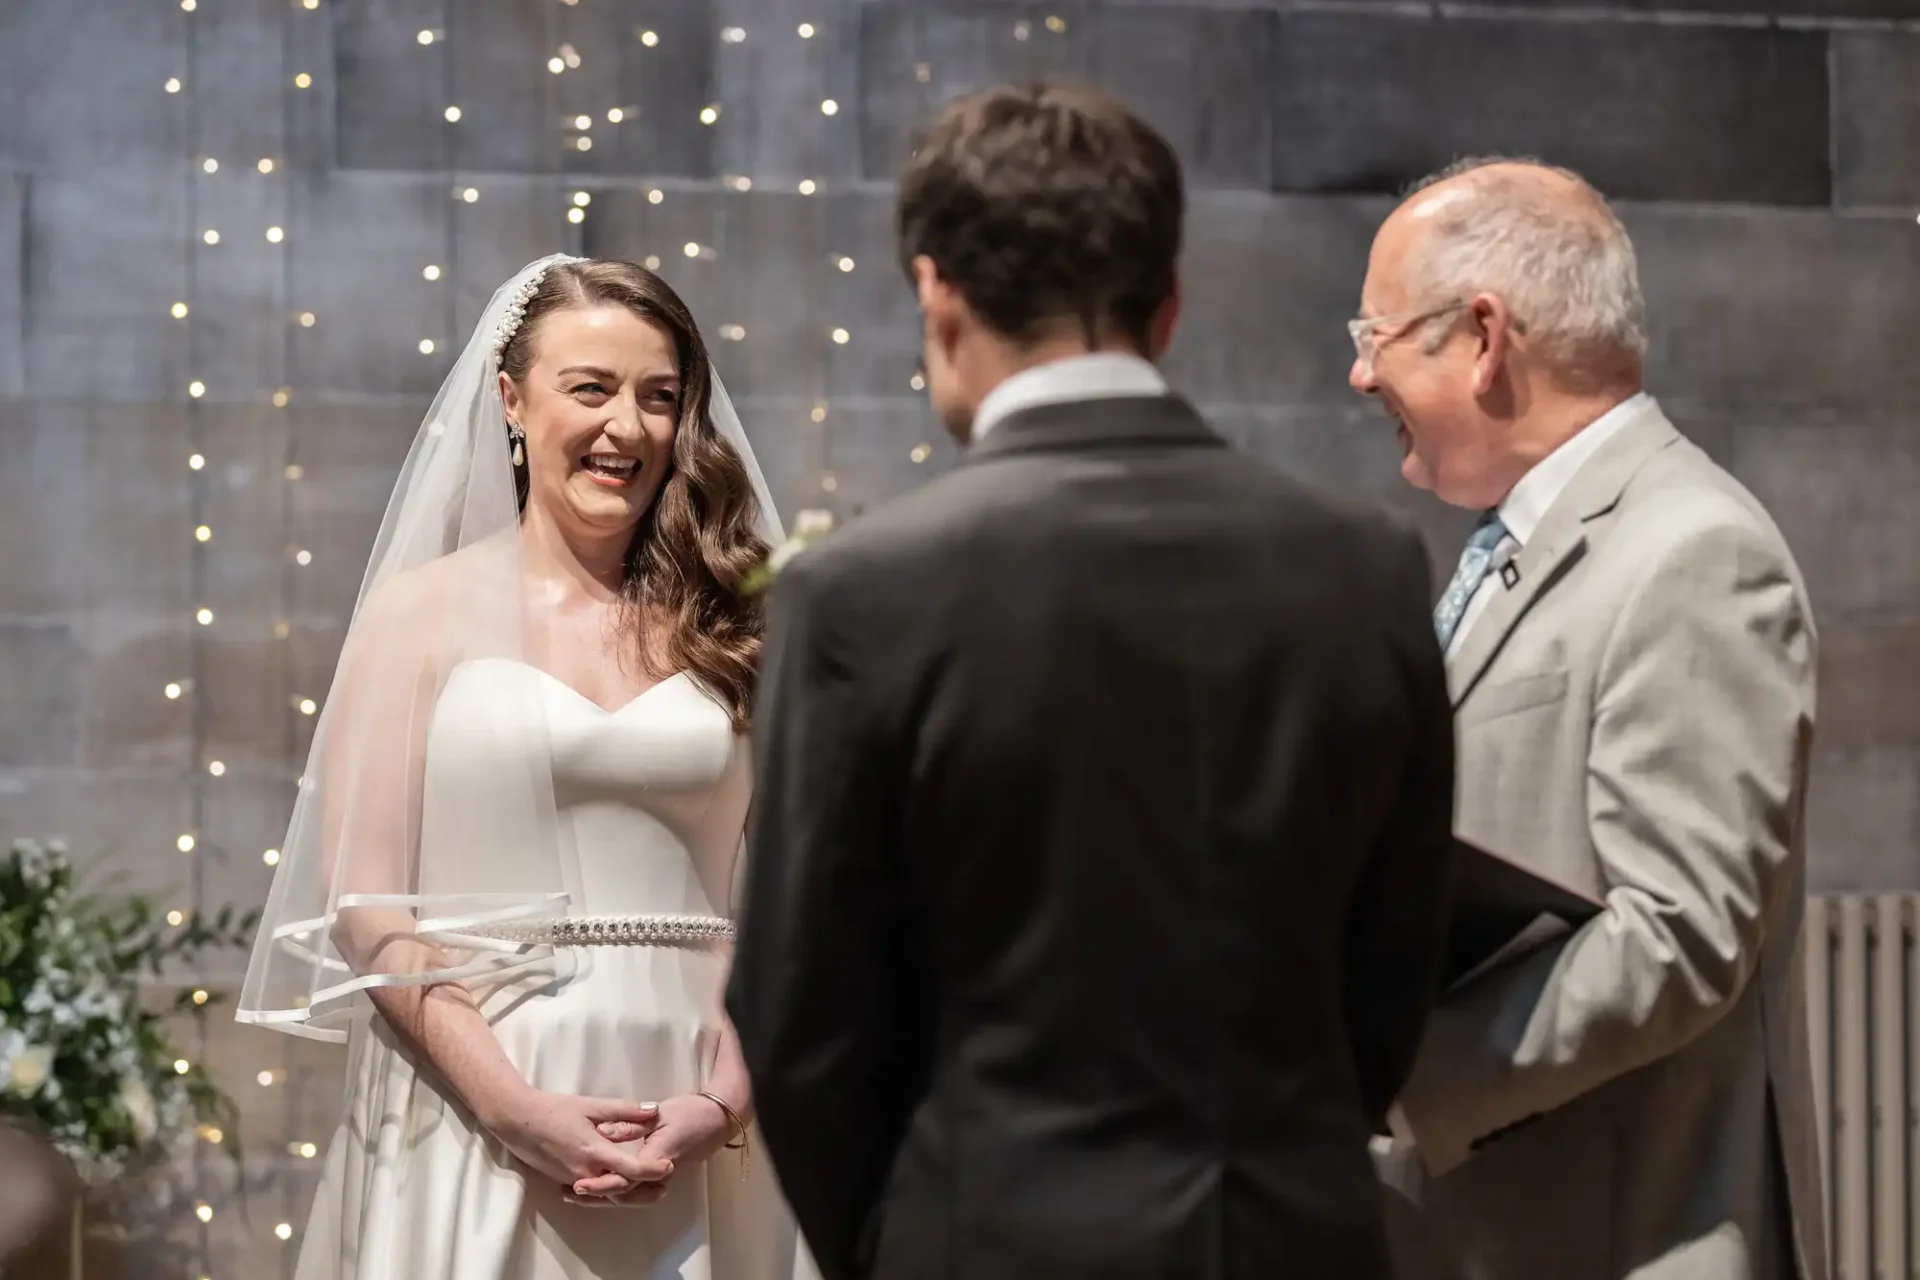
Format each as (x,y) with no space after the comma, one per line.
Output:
(1366,333)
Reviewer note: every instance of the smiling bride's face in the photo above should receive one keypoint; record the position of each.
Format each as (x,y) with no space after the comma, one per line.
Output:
(600,405)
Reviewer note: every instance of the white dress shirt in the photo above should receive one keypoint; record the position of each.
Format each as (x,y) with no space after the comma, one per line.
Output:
(1528,502)
(1098,375)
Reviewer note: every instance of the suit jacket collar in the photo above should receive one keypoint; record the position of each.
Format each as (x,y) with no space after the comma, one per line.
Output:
(1570,523)
(1108,422)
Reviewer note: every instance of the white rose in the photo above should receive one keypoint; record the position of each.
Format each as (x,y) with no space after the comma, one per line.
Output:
(812,523)
(783,553)
(30,1069)
(137,1100)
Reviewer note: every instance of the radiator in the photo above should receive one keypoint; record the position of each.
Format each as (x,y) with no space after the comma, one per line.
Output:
(1863,998)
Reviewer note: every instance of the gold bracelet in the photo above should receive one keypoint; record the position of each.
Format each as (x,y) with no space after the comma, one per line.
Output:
(739,1142)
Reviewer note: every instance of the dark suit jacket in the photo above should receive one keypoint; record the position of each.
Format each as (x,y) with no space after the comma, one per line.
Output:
(1097,867)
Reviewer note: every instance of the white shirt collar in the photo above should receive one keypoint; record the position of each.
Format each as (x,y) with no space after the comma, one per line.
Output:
(1528,502)
(1098,375)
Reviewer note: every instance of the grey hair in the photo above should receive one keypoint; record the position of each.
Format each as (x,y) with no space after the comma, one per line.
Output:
(1568,274)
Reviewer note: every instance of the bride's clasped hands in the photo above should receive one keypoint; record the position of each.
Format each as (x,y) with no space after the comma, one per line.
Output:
(680,1132)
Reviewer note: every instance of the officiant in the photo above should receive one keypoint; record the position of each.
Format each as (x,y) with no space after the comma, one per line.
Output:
(1631,659)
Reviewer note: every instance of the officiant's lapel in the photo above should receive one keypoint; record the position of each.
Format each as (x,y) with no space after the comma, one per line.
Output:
(1571,524)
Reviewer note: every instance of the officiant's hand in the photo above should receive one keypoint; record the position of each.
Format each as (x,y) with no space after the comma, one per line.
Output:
(559,1136)
(689,1128)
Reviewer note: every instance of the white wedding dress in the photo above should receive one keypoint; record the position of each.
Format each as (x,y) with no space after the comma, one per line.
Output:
(653,796)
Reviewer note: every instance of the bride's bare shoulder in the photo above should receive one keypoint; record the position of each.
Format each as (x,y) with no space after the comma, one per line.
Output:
(429,598)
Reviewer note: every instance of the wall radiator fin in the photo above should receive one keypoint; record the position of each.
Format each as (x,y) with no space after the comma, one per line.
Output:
(1863,999)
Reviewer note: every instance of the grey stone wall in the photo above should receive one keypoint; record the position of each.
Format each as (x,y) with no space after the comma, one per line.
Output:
(1762,150)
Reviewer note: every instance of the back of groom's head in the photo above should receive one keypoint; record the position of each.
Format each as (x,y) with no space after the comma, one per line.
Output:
(1049,209)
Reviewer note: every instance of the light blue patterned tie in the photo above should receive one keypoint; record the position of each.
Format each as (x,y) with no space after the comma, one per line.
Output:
(1475,559)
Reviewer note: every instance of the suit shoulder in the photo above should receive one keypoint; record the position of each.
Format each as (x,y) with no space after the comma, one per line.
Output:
(1683,501)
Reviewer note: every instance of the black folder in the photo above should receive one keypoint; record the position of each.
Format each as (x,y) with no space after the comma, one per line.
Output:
(1495,901)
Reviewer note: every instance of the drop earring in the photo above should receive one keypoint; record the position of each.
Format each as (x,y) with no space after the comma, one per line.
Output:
(519,438)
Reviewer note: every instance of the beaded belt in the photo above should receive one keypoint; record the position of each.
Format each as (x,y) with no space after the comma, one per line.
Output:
(611,931)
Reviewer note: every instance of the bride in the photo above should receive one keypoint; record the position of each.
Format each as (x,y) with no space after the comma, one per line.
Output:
(507,881)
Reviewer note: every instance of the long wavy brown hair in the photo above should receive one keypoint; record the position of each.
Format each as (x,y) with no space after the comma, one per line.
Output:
(697,540)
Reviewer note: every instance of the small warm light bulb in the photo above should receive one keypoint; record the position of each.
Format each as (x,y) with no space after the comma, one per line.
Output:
(303,81)
(1021,30)
(917,382)
(806,31)
(709,114)
(211,236)
(615,116)
(303,557)
(453,115)
(583,122)
(842,337)
(426,346)
(576,215)
(271,857)
(211,1133)
(649,39)
(265,165)
(655,196)
(275,235)
(210,165)
(204,616)
(203,534)
(201,997)
(196,388)
(819,411)
(308,319)
(733,332)
(280,399)
(217,768)
(309,4)
(1056,23)
(829,482)
(808,186)
(583,143)
(284,1231)
(733,35)
(923,72)
(173,84)
(195,461)
(181,1066)
(829,108)
(189,5)
(176,918)
(692,250)
(204,1212)
(430,272)
(470,195)
(308,706)
(653,262)
(921,452)
(173,691)
(425,37)
(184,844)
(178,310)
(295,471)
(265,1078)
(583,198)
(556,65)
(845,264)
(308,1151)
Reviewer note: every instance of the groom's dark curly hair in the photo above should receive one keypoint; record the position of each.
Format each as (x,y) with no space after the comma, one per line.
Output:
(1044,204)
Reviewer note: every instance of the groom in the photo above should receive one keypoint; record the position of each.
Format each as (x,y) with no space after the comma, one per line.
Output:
(1097,866)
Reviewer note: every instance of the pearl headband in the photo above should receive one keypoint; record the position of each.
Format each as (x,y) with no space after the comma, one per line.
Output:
(517,309)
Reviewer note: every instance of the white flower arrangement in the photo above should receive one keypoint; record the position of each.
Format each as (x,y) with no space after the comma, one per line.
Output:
(82,1058)
(809,527)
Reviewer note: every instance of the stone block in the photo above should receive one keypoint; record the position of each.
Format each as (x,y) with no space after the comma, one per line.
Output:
(40,667)
(121,825)
(875,451)
(515,220)
(1863,820)
(660,89)
(1647,111)
(43,507)
(1268,288)
(241,81)
(1743,310)
(1868,696)
(129,664)
(140,517)
(358,245)
(1876,118)
(13,272)
(1843,496)
(393,90)
(1217,123)
(791,449)
(86,84)
(109,258)
(771,84)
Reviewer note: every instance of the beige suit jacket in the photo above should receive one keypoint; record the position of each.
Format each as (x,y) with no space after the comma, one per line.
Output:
(1634,715)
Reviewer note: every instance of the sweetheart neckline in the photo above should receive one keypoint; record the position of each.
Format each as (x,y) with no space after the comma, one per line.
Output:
(582,698)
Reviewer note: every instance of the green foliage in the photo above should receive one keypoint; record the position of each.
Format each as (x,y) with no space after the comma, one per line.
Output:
(84,1057)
